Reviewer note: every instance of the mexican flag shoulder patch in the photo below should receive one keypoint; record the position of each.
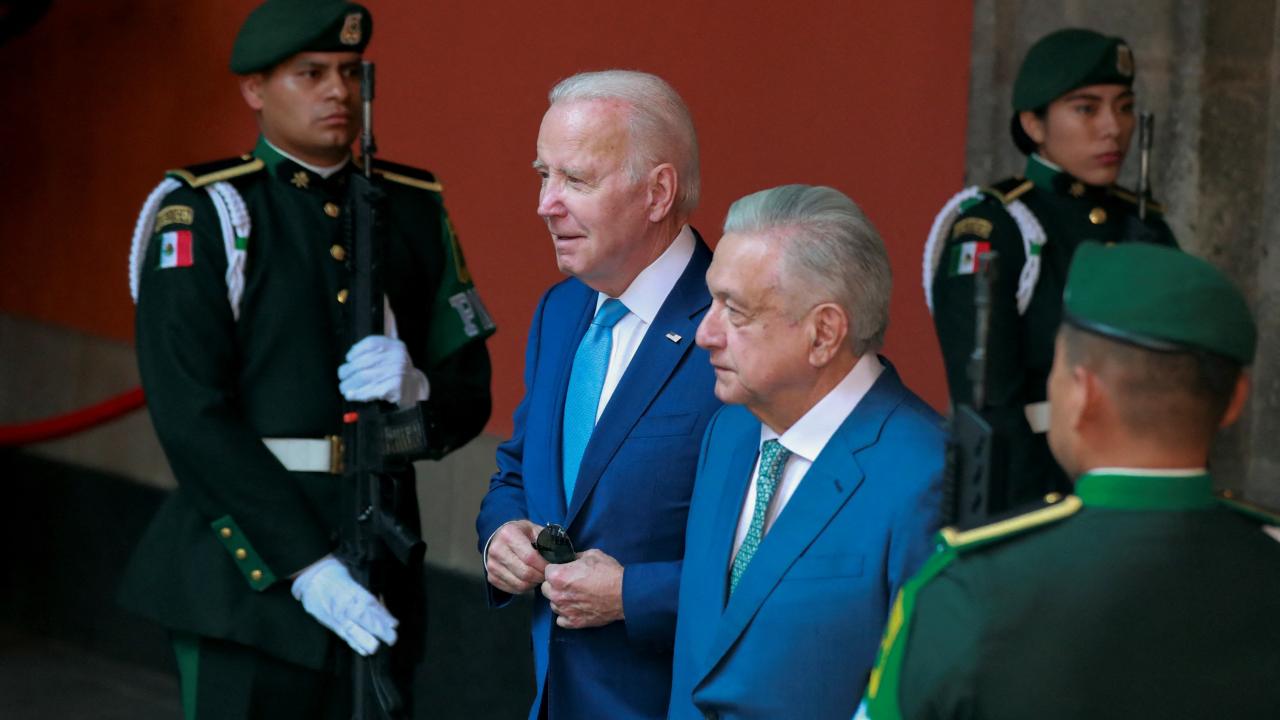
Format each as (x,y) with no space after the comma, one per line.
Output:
(964,257)
(175,249)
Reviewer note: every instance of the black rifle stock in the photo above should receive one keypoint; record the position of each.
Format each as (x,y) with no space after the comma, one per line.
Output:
(974,467)
(378,441)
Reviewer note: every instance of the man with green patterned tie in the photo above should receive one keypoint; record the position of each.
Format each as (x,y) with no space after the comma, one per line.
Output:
(1142,595)
(240,270)
(818,488)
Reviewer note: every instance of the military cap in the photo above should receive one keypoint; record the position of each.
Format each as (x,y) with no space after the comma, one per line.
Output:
(1068,59)
(1158,298)
(278,29)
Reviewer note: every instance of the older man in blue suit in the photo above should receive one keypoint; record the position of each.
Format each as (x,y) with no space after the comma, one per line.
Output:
(617,396)
(818,489)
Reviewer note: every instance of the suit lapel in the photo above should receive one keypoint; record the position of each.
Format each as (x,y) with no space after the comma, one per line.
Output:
(564,361)
(733,492)
(832,479)
(654,362)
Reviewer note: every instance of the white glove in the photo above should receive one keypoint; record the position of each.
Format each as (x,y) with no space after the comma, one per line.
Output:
(379,368)
(332,596)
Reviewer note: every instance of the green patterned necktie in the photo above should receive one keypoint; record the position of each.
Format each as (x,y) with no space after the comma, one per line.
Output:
(773,457)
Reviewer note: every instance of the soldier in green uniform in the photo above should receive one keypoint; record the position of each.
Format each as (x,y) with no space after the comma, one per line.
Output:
(1073,117)
(1141,595)
(241,277)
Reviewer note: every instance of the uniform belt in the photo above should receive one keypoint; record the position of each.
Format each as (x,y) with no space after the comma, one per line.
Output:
(308,454)
(1038,416)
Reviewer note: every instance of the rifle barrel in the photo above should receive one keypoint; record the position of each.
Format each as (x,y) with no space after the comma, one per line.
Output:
(1146,128)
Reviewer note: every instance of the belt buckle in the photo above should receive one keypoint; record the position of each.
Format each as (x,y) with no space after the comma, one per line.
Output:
(336,446)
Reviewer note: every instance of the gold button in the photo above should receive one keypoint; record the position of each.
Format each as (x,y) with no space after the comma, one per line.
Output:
(256,575)
(338,252)
(241,554)
(225,532)
(1097,216)
(331,210)
(342,295)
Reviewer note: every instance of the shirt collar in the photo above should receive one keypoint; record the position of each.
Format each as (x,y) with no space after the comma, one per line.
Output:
(1146,489)
(646,293)
(1050,177)
(811,433)
(272,155)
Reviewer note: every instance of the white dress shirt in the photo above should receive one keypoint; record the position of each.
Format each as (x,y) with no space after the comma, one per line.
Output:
(643,298)
(806,439)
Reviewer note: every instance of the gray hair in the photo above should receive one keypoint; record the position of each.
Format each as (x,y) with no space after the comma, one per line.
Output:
(830,247)
(660,126)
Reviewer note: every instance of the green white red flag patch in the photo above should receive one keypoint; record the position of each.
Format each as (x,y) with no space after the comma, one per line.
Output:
(175,249)
(966,257)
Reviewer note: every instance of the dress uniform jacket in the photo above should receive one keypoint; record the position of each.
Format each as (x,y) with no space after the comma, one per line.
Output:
(1020,346)
(1141,596)
(217,559)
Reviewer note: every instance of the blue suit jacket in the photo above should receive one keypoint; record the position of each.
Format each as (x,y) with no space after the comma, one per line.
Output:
(799,635)
(630,501)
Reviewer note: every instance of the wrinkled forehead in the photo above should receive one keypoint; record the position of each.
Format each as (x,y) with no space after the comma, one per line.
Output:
(591,129)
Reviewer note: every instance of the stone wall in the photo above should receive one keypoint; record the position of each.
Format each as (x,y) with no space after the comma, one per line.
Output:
(1210,73)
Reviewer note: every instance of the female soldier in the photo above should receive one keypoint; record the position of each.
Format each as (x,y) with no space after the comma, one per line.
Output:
(1073,117)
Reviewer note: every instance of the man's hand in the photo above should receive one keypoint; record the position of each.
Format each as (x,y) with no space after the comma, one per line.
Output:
(511,562)
(586,592)
(379,368)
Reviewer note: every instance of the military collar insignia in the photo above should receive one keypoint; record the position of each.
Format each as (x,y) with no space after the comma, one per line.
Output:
(300,180)
(1149,490)
(1077,189)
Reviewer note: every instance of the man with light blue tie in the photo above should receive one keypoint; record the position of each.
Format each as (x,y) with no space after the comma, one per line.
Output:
(819,484)
(617,396)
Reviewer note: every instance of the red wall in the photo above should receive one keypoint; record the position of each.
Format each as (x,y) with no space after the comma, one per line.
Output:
(865,96)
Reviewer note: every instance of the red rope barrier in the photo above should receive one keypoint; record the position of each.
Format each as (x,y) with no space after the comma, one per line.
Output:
(72,422)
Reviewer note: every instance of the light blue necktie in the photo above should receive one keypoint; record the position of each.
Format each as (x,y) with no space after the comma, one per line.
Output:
(586,381)
(773,457)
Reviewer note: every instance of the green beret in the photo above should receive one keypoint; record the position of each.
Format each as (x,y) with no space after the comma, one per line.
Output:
(1068,59)
(279,29)
(1159,298)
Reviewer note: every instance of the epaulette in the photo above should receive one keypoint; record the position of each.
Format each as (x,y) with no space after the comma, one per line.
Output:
(1132,198)
(211,172)
(1006,191)
(406,175)
(1257,512)
(1053,508)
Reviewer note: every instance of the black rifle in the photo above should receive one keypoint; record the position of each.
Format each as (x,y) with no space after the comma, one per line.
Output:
(975,466)
(1146,128)
(379,442)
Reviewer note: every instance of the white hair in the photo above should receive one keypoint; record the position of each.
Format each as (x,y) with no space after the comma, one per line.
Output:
(831,248)
(660,126)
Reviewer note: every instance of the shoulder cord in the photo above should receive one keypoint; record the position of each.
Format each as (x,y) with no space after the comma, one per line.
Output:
(1033,240)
